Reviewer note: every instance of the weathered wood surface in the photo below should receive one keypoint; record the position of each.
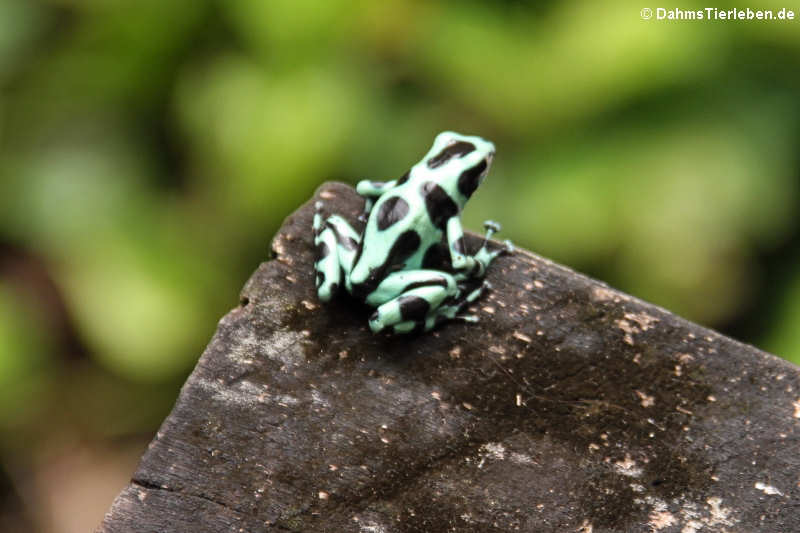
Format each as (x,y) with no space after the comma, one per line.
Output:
(570,407)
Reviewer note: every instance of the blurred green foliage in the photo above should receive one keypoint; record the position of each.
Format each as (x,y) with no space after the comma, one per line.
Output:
(150,149)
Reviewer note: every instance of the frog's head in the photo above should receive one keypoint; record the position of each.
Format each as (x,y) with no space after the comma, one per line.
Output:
(458,163)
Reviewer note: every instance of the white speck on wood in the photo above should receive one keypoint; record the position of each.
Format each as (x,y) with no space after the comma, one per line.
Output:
(644,320)
(646,400)
(521,336)
(522,459)
(767,489)
(660,520)
(627,467)
(719,514)
(495,450)
(692,526)
(628,330)
(603,294)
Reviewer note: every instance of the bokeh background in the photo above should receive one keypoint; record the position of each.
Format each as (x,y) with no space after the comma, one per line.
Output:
(150,149)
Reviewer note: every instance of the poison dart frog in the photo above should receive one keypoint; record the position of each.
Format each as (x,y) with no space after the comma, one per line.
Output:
(410,262)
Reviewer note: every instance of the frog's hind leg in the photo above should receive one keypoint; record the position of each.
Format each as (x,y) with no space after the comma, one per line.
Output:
(408,298)
(449,309)
(337,244)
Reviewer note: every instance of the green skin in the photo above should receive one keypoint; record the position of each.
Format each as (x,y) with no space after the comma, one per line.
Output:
(390,266)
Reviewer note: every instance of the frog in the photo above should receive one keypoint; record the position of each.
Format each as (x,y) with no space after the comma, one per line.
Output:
(410,262)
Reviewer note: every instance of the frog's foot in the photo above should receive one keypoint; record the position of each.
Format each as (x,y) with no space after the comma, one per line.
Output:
(417,310)
(491,228)
(453,310)
(328,271)
(434,318)
(473,295)
(483,254)
(412,306)
(337,244)
(317,224)
(408,326)
(406,300)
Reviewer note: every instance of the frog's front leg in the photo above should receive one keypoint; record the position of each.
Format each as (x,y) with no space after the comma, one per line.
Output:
(483,255)
(337,245)
(371,191)
(473,266)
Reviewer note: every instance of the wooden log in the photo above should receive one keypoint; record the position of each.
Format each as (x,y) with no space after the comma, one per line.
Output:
(569,407)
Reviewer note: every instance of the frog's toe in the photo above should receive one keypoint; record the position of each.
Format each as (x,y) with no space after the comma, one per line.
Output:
(467,318)
(497,252)
(493,226)
(325,291)
(475,293)
(507,248)
(375,322)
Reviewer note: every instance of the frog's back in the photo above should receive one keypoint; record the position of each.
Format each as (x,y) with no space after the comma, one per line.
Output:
(398,234)
(400,219)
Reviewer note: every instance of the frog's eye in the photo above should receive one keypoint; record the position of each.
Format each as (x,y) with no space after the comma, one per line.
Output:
(454,149)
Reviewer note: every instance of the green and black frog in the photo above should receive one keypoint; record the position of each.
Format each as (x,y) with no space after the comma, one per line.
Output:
(411,262)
